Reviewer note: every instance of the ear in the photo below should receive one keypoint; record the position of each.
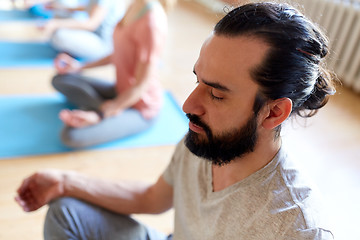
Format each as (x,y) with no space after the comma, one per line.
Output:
(277,112)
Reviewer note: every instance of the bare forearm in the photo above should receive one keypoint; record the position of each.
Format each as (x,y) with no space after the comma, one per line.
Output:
(41,187)
(98,63)
(132,95)
(128,98)
(122,197)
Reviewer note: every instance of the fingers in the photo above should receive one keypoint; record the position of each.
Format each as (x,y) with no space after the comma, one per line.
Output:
(25,203)
(70,118)
(64,115)
(22,203)
(24,185)
(64,63)
(25,197)
(28,205)
(61,63)
(38,189)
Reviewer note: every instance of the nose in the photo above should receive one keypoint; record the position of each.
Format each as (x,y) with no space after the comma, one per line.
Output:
(194,103)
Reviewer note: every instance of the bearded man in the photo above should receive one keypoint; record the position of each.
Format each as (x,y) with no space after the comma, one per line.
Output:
(230,178)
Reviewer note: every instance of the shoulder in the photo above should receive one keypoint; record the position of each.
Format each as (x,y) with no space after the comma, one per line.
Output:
(155,17)
(298,202)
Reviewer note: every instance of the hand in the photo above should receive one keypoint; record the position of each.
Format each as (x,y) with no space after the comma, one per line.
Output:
(64,63)
(39,189)
(50,6)
(79,118)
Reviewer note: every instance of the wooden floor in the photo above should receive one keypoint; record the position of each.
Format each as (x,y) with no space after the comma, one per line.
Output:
(329,147)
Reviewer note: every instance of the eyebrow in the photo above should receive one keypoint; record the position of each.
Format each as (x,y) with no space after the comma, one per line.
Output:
(214,84)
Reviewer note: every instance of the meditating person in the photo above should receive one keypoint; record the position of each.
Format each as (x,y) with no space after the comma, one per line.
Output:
(106,110)
(87,38)
(46,9)
(231,177)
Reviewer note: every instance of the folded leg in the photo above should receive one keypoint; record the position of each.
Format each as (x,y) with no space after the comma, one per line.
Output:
(85,92)
(70,218)
(127,123)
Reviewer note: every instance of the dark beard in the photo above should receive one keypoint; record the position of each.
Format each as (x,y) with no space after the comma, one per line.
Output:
(222,149)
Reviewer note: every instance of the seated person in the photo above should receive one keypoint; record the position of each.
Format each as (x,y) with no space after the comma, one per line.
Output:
(231,177)
(87,38)
(47,9)
(109,111)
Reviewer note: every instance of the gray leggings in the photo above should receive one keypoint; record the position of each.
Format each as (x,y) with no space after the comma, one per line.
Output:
(88,94)
(81,43)
(69,218)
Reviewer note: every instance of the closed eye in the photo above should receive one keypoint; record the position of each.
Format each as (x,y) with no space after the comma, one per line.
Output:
(214,97)
(213,87)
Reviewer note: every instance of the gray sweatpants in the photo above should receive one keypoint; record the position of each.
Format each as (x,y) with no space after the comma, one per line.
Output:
(70,218)
(81,43)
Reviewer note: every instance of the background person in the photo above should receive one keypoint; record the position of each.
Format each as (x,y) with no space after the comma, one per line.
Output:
(109,111)
(87,38)
(47,9)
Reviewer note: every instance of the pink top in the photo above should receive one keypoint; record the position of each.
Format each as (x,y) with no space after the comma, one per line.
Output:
(142,40)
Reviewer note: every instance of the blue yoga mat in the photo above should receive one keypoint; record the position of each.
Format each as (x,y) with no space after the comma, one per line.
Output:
(16,15)
(17,54)
(29,125)
(37,13)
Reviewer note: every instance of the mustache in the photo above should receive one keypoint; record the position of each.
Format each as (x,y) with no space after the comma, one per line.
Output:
(195,119)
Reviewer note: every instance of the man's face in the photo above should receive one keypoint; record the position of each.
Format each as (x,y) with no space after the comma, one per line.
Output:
(222,123)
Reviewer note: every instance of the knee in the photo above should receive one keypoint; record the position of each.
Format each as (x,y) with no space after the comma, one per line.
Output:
(70,138)
(58,209)
(59,39)
(59,218)
(59,204)
(59,80)
(56,80)
(62,80)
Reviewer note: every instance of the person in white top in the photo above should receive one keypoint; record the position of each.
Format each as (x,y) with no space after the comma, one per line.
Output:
(88,38)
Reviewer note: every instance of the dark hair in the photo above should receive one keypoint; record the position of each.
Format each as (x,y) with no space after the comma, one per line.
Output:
(292,67)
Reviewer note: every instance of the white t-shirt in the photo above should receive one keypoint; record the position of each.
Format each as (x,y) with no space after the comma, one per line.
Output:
(272,203)
(115,12)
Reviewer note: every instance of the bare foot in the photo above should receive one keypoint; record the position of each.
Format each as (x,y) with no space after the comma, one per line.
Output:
(79,118)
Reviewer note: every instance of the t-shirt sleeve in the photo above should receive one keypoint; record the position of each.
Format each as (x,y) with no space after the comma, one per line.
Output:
(170,171)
